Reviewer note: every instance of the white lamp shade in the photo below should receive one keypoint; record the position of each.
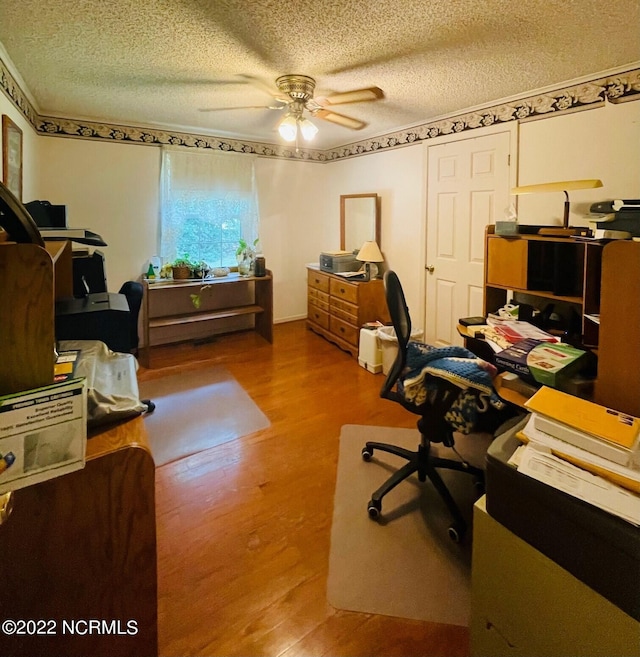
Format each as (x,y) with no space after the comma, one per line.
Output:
(370,252)
(288,128)
(308,129)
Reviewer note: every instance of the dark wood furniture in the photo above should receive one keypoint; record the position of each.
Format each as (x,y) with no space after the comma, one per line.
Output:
(594,278)
(83,546)
(80,547)
(337,307)
(230,303)
(545,270)
(618,382)
(31,278)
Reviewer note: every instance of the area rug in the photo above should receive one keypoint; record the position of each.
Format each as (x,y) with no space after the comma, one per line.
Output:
(405,564)
(196,411)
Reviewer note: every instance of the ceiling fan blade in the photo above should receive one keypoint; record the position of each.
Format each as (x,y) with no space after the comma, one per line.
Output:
(263,86)
(355,96)
(339,119)
(245,107)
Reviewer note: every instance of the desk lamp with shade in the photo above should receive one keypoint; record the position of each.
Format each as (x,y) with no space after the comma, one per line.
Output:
(565,186)
(370,254)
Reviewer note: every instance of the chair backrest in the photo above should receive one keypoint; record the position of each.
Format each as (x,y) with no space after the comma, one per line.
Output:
(133,290)
(401,321)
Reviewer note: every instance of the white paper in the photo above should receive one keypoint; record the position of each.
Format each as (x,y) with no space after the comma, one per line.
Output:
(553,471)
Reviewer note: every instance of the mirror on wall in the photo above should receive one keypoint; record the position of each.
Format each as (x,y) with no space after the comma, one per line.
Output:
(359,220)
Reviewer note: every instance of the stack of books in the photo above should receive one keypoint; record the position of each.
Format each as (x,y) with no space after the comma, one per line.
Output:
(587,450)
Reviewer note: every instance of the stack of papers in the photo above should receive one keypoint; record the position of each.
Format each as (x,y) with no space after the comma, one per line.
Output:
(515,331)
(596,429)
(586,450)
(536,462)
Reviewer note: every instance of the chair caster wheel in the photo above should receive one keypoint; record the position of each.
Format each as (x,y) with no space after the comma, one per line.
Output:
(366,454)
(456,532)
(374,509)
(150,406)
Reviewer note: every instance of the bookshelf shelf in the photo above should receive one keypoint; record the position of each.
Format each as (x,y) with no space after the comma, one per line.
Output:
(543,271)
(228,304)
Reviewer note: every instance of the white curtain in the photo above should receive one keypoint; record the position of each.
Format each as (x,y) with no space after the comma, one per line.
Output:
(208,203)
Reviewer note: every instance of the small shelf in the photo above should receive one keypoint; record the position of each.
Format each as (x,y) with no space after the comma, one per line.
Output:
(175,320)
(540,293)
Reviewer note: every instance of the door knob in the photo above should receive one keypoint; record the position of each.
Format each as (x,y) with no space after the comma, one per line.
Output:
(430,268)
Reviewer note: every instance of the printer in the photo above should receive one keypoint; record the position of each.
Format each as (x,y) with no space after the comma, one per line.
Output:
(337,262)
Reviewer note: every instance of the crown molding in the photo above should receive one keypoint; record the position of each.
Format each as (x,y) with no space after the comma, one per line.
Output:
(615,86)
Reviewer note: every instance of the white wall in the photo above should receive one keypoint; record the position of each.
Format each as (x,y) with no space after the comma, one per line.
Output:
(111,189)
(293,221)
(398,177)
(599,143)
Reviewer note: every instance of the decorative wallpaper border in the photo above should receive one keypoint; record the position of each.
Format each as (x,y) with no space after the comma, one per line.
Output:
(614,89)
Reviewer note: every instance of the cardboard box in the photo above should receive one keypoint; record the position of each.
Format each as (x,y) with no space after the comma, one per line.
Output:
(43,433)
(542,362)
(550,362)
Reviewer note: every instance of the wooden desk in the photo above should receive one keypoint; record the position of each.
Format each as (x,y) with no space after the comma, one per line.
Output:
(83,546)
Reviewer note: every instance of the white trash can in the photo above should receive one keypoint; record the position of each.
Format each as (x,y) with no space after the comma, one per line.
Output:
(389,345)
(369,353)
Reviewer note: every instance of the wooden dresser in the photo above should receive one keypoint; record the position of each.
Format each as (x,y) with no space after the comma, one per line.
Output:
(338,307)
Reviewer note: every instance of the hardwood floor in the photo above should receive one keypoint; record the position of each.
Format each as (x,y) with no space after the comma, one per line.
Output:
(244,528)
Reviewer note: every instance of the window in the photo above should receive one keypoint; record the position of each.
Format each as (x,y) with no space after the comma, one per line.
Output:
(208,202)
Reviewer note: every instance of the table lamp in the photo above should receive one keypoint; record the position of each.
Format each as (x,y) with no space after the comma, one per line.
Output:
(565,186)
(370,254)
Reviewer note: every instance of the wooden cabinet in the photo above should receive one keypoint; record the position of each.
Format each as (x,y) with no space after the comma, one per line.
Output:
(82,547)
(227,304)
(337,308)
(543,271)
(588,278)
(618,382)
(31,279)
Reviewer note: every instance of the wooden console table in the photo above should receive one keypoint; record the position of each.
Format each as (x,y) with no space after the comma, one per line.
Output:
(227,304)
(82,547)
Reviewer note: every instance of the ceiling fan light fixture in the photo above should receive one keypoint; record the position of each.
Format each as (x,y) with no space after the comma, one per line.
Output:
(288,128)
(308,129)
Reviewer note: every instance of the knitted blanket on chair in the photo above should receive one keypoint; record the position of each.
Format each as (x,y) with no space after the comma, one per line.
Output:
(426,364)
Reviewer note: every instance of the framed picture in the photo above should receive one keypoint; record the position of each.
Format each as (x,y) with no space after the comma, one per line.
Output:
(12,156)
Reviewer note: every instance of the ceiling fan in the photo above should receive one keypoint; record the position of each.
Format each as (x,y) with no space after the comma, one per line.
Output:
(295,94)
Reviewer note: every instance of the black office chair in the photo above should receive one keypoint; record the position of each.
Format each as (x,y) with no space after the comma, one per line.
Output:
(133,290)
(432,425)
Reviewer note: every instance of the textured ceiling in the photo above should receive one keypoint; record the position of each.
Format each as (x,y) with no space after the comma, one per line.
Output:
(158,62)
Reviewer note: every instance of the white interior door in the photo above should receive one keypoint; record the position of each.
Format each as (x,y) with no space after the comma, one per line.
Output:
(468,187)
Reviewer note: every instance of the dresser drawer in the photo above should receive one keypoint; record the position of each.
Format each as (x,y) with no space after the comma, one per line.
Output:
(347,332)
(344,310)
(346,291)
(318,281)
(319,298)
(317,316)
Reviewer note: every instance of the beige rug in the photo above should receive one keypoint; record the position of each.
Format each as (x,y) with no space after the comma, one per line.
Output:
(197,411)
(404,565)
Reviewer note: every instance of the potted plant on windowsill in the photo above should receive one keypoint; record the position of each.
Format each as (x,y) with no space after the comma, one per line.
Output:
(182,267)
(245,255)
